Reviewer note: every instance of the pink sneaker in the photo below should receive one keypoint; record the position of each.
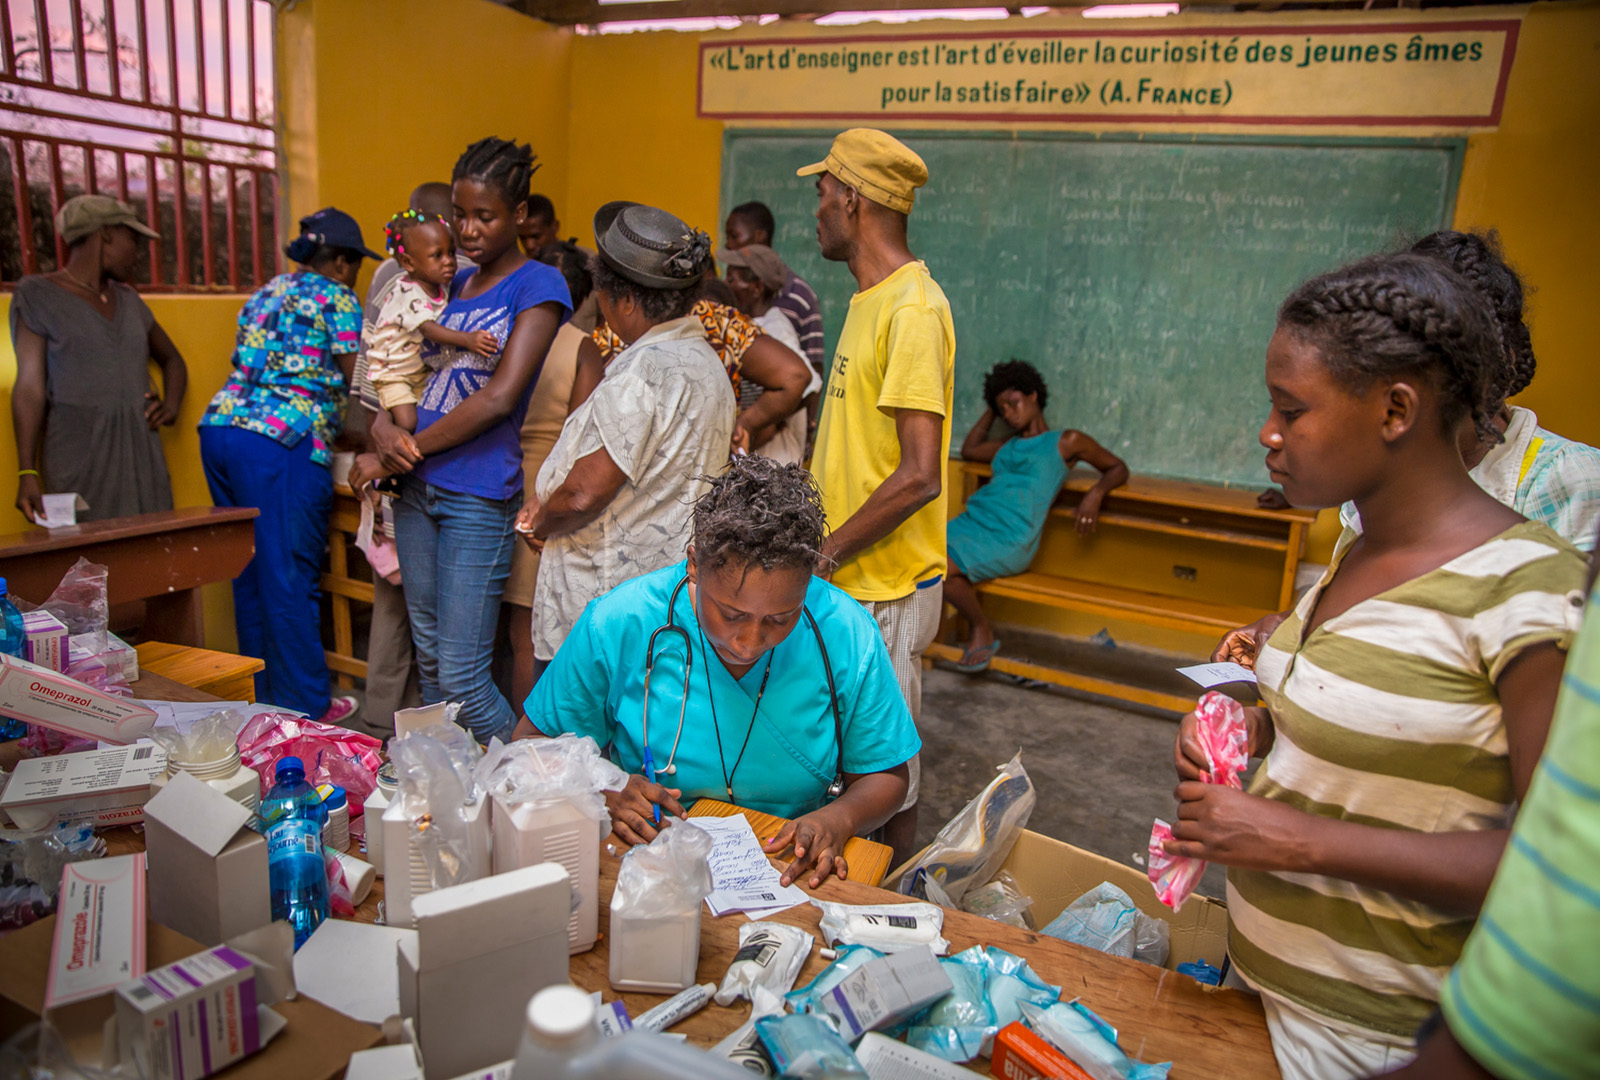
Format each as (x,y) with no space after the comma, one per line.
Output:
(340,710)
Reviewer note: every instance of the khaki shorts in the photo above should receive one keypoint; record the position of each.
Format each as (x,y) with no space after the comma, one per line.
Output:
(524,571)
(908,626)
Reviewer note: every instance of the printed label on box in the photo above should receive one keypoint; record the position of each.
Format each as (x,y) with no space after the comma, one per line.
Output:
(100,929)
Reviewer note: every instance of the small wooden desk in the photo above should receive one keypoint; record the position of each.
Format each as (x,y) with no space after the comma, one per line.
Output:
(229,677)
(161,559)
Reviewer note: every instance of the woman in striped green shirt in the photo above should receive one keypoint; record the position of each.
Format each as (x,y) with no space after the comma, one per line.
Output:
(1409,693)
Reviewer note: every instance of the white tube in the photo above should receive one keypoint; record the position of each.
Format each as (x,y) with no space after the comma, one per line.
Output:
(675,1008)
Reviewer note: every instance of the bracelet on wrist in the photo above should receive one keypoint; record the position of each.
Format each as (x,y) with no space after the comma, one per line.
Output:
(26,472)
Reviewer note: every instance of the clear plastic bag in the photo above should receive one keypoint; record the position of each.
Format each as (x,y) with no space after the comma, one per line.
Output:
(1225,738)
(434,767)
(668,876)
(990,987)
(1001,901)
(80,602)
(31,866)
(332,754)
(38,1052)
(567,767)
(1078,1032)
(972,845)
(1106,918)
(211,738)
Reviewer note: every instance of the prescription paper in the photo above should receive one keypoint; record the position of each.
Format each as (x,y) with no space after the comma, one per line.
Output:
(742,878)
(1209,675)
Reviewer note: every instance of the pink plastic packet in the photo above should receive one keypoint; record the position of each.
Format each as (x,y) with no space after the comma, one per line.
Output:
(1225,739)
(332,754)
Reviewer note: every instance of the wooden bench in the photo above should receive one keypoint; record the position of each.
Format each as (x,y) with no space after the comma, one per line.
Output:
(1198,512)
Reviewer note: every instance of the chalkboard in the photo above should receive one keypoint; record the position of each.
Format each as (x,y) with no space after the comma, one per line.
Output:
(1140,275)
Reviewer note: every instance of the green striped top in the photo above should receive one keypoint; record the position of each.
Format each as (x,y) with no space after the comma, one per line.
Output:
(1387,714)
(1525,999)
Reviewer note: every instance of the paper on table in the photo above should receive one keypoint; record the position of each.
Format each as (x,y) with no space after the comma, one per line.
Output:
(350,967)
(61,511)
(1209,675)
(742,878)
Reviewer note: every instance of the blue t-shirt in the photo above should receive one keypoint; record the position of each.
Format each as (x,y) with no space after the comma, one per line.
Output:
(595,687)
(489,465)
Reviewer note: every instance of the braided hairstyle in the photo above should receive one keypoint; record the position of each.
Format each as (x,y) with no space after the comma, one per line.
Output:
(502,164)
(394,233)
(1013,375)
(1478,258)
(1389,316)
(760,513)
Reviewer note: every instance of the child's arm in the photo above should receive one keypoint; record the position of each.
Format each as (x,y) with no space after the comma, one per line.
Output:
(479,341)
(977,446)
(1076,446)
(1450,870)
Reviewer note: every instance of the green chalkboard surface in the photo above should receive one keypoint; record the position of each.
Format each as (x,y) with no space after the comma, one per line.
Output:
(1140,275)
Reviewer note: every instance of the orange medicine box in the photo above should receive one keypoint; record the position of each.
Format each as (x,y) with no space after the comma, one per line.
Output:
(1019,1054)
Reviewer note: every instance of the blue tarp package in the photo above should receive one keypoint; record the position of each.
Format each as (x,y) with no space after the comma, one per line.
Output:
(990,988)
(851,957)
(803,1046)
(1107,919)
(1075,1030)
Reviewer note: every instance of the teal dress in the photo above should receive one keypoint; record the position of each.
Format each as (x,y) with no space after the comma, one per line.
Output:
(998,533)
(595,687)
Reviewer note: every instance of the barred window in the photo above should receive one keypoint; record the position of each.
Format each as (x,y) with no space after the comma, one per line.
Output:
(166,104)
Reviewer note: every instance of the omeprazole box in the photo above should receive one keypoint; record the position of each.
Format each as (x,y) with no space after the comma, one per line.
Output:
(192,1018)
(47,640)
(41,696)
(107,787)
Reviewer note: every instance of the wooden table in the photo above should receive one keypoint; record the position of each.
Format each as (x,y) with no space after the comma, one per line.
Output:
(161,559)
(1161,1016)
(229,677)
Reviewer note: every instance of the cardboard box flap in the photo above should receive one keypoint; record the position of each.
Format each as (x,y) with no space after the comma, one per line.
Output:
(484,916)
(199,813)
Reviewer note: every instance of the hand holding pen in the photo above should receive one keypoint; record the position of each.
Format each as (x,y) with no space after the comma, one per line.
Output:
(635,810)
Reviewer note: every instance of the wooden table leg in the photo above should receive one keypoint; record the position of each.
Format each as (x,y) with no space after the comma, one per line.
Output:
(1291,565)
(175,617)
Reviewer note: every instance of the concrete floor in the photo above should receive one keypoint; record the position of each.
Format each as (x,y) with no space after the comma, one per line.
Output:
(1102,773)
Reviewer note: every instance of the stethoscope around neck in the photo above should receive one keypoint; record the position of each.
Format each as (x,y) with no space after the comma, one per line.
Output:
(648,767)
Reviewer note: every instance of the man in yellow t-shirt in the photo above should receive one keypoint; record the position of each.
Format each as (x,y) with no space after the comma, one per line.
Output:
(884,435)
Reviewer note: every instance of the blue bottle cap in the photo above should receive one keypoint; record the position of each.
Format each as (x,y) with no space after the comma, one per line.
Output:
(289,763)
(3,589)
(335,798)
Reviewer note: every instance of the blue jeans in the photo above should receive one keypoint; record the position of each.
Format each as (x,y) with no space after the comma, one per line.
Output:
(276,601)
(455,556)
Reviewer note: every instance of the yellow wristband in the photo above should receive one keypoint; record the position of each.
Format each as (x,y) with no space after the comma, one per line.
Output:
(26,472)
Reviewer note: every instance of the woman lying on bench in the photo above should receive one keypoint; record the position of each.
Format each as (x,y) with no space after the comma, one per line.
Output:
(998,533)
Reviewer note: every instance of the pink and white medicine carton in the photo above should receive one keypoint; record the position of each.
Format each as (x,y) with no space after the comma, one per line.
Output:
(100,929)
(106,787)
(47,640)
(41,696)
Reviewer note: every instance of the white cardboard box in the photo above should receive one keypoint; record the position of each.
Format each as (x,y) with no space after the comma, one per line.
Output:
(47,639)
(100,929)
(384,1063)
(553,830)
(108,787)
(41,696)
(193,1018)
(208,872)
(885,990)
(405,868)
(482,950)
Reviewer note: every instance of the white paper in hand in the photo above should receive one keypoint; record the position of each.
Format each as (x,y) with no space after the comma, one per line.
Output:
(1209,675)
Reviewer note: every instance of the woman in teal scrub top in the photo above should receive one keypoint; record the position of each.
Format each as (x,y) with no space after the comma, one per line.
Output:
(759,726)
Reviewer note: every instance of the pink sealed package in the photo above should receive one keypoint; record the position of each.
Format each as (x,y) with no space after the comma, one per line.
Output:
(332,754)
(1224,737)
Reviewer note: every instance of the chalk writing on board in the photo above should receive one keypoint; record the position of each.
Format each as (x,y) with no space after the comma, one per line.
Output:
(1435,73)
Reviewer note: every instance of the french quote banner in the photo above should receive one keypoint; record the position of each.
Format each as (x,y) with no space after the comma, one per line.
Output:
(1437,74)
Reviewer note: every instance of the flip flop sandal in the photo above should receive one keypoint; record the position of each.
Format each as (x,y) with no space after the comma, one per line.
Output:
(974,661)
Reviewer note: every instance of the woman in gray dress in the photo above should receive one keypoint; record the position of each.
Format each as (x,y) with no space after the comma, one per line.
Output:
(83,409)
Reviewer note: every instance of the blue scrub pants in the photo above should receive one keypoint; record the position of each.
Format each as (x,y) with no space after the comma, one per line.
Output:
(455,557)
(276,601)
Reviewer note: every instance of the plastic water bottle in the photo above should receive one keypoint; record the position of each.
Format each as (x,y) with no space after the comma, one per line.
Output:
(13,642)
(298,878)
(561,1042)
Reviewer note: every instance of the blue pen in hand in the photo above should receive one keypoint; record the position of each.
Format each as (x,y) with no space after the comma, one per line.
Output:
(650,775)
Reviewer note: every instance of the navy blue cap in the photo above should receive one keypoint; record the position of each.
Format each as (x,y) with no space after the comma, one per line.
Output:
(336,228)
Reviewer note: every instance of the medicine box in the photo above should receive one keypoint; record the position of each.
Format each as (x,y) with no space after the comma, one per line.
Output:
(47,640)
(100,929)
(192,1018)
(553,830)
(885,990)
(1020,1054)
(106,787)
(86,657)
(208,871)
(41,696)
(482,950)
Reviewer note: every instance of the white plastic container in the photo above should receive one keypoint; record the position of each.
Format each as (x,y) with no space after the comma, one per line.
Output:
(226,774)
(554,830)
(372,813)
(562,1042)
(656,955)
(405,868)
(336,829)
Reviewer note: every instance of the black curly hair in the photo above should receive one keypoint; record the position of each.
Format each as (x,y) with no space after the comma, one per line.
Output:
(1013,375)
(658,305)
(502,164)
(1479,258)
(760,513)
(1388,316)
(573,262)
(394,233)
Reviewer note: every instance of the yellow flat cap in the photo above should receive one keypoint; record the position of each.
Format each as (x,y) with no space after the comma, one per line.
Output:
(875,163)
